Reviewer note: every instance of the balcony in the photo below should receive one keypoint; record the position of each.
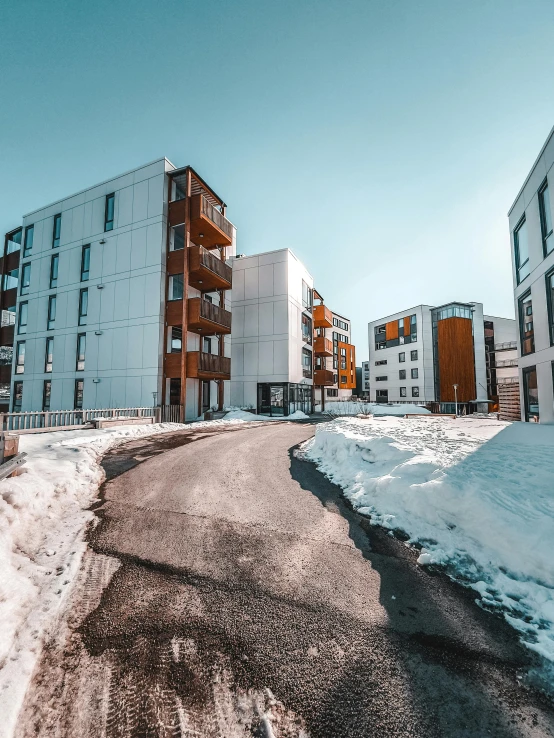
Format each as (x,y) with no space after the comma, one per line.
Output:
(9,297)
(206,318)
(323,317)
(323,378)
(207,272)
(208,226)
(208,366)
(323,346)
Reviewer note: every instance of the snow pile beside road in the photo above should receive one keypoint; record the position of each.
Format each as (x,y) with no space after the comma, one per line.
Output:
(247,417)
(43,512)
(348,407)
(476,494)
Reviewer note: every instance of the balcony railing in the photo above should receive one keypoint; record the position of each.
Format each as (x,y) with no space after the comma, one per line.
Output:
(323,377)
(506,346)
(323,317)
(208,227)
(323,346)
(208,366)
(207,318)
(207,272)
(506,362)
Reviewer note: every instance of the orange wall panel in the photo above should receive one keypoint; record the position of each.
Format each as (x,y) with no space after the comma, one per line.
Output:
(455,359)
(407,326)
(392,330)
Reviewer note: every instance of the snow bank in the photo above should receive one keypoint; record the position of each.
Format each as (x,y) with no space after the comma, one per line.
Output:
(348,407)
(477,494)
(246,416)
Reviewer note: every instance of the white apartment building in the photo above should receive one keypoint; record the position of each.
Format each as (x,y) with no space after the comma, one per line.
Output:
(335,356)
(433,354)
(272,335)
(532,247)
(121,296)
(365,379)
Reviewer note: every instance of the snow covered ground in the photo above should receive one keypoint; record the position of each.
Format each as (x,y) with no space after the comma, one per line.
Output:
(477,494)
(348,407)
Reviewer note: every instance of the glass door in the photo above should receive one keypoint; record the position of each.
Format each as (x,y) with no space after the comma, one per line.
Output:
(531,394)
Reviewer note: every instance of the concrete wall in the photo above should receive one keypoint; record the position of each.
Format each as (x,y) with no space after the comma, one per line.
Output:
(527,203)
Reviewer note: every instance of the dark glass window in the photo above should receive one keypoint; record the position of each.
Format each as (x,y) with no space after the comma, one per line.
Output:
(307,300)
(415,373)
(531,394)
(28,241)
(306,362)
(17,396)
(49,354)
(413,355)
(415,391)
(382,395)
(550,303)
(81,350)
(178,241)
(46,394)
(83,306)
(85,263)
(207,344)
(54,264)
(402,391)
(20,357)
(25,279)
(521,251)
(381,363)
(402,374)
(175,287)
(527,333)
(402,357)
(56,231)
(110,207)
(23,317)
(546,219)
(176,339)
(382,378)
(79,392)
(307,330)
(175,391)
(51,319)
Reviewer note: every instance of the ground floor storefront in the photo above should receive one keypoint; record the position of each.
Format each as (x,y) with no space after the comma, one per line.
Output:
(284,398)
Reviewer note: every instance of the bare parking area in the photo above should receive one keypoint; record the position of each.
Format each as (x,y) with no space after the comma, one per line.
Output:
(230,591)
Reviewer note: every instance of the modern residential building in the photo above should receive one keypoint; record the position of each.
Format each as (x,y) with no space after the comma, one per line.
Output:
(9,280)
(532,246)
(122,296)
(335,356)
(365,380)
(437,355)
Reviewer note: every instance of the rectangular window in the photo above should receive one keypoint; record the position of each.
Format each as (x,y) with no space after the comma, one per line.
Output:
(306,362)
(46,393)
(25,279)
(413,355)
(11,279)
(177,240)
(54,263)
(56,231)
(307,330)
(415,391)
(28,240)
(531,394)
(415,373)
(79,391)
(402,357)
(381,363)
(343,380)
(332,392)
(546,219)
(402,374)
(23,316)
(175,391)
(382,378)
(81,350)
(20,357)
(85,263)
(550,303)
(402,391)
(527,333)
(49,354)
(110,206)
(51,318)
(17,397)
(176,340)
(306,296)
(382,395)
(521,251)
(83,306)
(175,287)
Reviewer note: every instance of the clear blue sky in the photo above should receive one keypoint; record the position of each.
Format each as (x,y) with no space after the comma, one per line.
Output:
(381,140)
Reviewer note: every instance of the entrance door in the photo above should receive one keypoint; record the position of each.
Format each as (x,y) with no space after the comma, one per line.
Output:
(205,396)
(531,394)
(264,399)
(271,399)
(277,400)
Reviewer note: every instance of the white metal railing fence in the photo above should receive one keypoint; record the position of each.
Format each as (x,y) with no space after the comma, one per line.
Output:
(28,421)
(506,345)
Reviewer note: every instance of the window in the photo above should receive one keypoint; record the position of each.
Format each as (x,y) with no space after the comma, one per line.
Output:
(83,306)
(11,279)
(81,350)
(415,373)
(527,333)
(413,355)
(177,241)
(25,279)
(381,363)
(343,380)
(17,396)
(382,395)
(175,391)
(28,241)
(381,378)
(48,354)
(306,362)
(402,357)
(415,391)
(108,218)
(332,392)
(207,344)
(56,231)
(546,219)
(402,391)
(531,394)
(381,330)
(85,263)
(20,357)
(176,339)
(175,287)
(46,393)
(402,374)
(23,316)
(380,345)
(307,330)
(51,318)
(521,251)
(79,391)
(306,296)
(550,303)
(54,263)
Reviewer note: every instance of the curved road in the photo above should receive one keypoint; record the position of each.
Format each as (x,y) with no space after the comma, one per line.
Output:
(229,591)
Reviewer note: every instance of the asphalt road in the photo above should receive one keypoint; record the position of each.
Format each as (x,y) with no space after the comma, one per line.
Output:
(229,591)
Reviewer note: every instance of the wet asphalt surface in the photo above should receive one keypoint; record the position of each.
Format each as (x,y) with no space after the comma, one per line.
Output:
(230,591)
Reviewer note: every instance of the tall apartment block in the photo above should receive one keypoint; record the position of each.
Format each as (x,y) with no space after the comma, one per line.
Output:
(335,356)
(120,296)
(365,380)
(437,355)
(532,246)
(9,276)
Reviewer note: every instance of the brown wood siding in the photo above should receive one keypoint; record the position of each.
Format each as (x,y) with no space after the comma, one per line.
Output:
(350,371)
(173,365)
(407,326)
(323,317)
(455,359)
(176,262)
(391,330)
(174,312)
